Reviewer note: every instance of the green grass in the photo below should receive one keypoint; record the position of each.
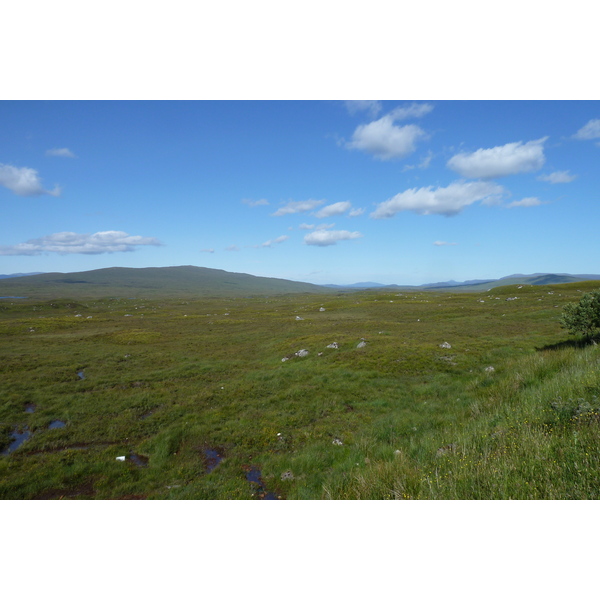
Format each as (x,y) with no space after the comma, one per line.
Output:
(168,378)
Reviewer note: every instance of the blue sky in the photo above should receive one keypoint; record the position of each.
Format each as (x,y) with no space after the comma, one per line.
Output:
(329,191)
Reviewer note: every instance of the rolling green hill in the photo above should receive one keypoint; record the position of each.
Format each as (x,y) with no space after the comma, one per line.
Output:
(151,282)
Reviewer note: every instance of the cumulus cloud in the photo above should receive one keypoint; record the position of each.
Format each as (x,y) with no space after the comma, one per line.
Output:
(558,177)
(270,243)
(23,181)
(331,210)
(67,242)
(384,140)
(373,107)
(500,161)
(446,201)
(293,207)
(323,237)
(590,131)
(261,202)
(525,202)
(62,152)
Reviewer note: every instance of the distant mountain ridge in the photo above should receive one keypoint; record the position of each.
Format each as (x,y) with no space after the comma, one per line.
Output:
(152,281)
(202,281)
(474,285)
(11,275)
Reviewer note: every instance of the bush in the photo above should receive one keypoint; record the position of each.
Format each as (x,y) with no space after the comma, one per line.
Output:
(583,317)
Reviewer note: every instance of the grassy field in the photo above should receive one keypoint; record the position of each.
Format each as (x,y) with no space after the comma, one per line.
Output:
(197,396)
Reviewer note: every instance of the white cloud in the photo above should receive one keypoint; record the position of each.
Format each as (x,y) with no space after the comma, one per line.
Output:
(589,131)
(525,202)
(323,237)
(209,250)
(384,140)
(415,110)
(62,152)
(558,177)
(500,161)
(68,242)
(356,212)
(331,210)
(293,207)
(438,243)
(317,227)
(439,201)
(233,248)
(261,202)
(24,181)
(373,107)
(269,243)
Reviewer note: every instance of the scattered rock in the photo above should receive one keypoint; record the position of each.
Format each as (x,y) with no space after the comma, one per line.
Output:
(334,345)
(362,343)
(322,309)
(284,359)
(489,369)
(337,442)
(287,476)
(445,345)
(302,353)
(298,318)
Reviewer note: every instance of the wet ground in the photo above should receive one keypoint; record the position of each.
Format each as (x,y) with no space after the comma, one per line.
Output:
(19,436)
(212,459)
(56,424)
(253,475)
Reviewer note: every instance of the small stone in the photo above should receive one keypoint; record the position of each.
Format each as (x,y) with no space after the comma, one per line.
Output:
(299,318)
(302,353)
(287,476)
(361,344)
(489,369)
(322,309)
(445,345)
(334,345)
(337,442)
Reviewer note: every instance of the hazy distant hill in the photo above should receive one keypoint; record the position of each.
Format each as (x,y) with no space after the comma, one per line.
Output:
(152,281)
(475,285)
(11,275)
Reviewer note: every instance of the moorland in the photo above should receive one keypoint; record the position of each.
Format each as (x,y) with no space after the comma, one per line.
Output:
(133,392)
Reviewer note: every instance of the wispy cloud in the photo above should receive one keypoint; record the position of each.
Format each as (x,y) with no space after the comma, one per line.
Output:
(356,212)
(385,140)
(424,164)
(500,161)
(438,243)
(590,131)
(373,107)
(324,237)
(209,250)
(233,248)
(62,152)
(261,202)
(319,226)
(300,206)
(23,181)
(270,243)
(525,203)
(67,242)
(558,177)
(447,201)
(332,210)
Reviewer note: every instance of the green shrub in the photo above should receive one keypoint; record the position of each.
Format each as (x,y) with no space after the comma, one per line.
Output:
(583,317)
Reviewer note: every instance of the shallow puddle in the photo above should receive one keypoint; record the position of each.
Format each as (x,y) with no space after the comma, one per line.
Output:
(213,458)
(254,476)
(81,375)
(140,461)
(30,408)
(56,424)
(18,439)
